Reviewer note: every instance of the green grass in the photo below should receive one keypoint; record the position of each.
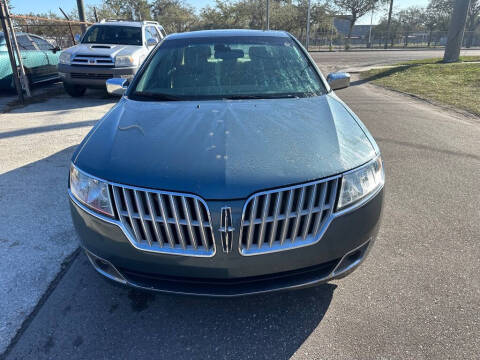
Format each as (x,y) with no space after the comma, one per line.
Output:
(438,60)
(455,84)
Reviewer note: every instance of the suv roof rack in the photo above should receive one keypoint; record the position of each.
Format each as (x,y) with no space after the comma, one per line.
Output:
(135,21)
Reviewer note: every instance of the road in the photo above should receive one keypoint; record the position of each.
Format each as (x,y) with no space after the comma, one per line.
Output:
(340,60)
(416,297)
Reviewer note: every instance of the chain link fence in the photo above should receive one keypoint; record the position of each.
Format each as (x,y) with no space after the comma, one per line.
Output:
(376,40)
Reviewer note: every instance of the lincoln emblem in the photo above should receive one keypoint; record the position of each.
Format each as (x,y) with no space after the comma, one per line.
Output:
(226,229)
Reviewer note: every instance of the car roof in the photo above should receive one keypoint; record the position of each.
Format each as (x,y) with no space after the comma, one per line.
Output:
(227,33)
(126,23)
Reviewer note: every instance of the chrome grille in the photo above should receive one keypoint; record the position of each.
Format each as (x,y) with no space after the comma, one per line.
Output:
(165,222)
(93,60)
(287,218)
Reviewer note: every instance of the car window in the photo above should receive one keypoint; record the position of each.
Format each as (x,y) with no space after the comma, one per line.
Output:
(42,44)
(24,43)
(113,34)
(229,67)
(152,33)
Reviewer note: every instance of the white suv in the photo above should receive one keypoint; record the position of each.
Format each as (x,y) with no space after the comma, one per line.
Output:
(108,49)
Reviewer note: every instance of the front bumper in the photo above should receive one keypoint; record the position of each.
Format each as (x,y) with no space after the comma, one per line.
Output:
(93,76)
(342,248)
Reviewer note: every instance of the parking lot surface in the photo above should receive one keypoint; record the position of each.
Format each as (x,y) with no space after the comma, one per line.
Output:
(416,297)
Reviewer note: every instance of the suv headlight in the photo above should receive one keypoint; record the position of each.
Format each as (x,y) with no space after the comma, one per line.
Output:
(358,184)
(125,60)
(90,191)
(65,58)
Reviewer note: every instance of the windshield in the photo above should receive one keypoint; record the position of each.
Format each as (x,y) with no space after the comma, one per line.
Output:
(227,68)
(112,34)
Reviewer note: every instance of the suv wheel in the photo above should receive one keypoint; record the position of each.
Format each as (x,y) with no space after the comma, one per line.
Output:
(74,90)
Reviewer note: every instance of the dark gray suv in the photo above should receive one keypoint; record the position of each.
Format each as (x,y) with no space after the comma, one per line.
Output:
(228,167)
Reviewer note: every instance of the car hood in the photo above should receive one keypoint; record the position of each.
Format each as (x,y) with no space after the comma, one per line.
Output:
(103,49)
(225,149)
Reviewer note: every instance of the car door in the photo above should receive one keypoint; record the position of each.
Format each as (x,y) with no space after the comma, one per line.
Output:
(32,59)
(5,67)
(49,70)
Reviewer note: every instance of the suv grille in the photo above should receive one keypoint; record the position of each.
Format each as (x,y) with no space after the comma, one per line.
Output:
(165,222)
(287,218)
(93,60)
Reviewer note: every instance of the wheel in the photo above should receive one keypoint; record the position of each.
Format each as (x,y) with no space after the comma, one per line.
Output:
(74,90)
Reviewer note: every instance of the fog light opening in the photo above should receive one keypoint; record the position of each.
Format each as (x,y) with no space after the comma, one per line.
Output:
(351,260)
(105,268)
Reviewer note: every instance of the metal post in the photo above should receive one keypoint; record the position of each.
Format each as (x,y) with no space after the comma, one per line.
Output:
(387,39)
(14,44)
(11,55)
(69,26)
(81,14)
(268,14)
(456,31)
(95,13)
(307,42)
(370,30)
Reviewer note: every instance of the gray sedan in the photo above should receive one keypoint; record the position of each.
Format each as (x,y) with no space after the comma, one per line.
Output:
(228,167)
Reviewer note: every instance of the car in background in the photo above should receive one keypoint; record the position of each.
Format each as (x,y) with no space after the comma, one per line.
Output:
(39,57)
(107,50)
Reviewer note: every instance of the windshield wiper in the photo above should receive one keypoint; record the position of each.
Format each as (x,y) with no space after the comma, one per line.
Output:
(156,96)
(264,96)
(241,97)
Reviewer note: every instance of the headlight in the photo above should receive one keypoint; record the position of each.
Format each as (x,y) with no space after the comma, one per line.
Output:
(124,61)
(91,192)
(64,58)
(359,183)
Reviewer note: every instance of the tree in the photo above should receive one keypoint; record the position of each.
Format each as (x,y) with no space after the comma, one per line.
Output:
(356,9)
(174,15)
(389,22)
(122,9)
(411,19)
(473,20)
(441,10)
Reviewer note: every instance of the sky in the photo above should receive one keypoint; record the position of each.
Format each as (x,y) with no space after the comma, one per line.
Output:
(25,6)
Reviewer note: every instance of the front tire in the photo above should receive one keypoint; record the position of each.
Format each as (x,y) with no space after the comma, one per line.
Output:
(74,90)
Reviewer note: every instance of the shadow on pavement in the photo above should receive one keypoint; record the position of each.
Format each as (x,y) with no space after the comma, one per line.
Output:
(88,317)
(54,98)
(385,73)
(47,128)
(36,235)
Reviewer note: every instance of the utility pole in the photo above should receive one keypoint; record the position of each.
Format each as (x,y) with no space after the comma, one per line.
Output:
(388,24)
(81,15)
(12,47)
(307,42)
(456,30)
(268,14)
(11,55)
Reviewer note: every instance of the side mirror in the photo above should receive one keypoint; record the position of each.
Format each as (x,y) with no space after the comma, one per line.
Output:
(338,80)
(151,42)
(56,49)
(77,38)
(117,86)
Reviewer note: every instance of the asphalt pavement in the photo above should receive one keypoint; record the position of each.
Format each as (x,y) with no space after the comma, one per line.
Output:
(341,60)
(416,297)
